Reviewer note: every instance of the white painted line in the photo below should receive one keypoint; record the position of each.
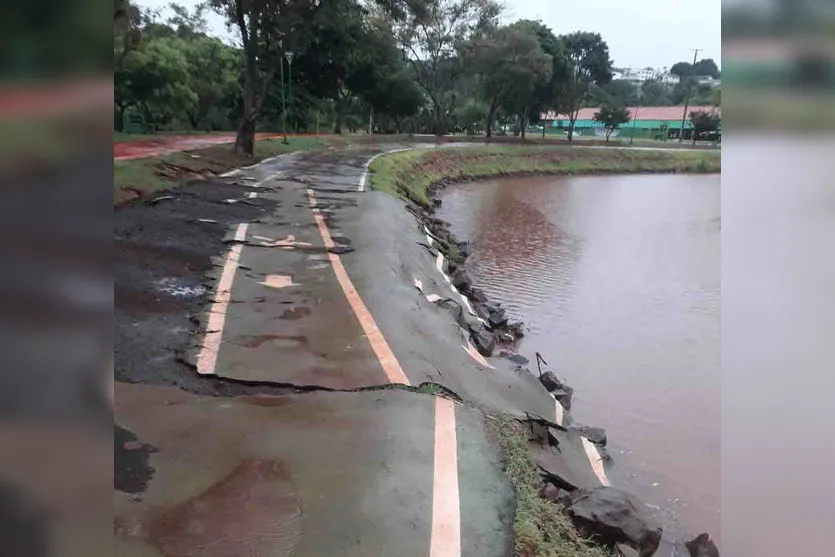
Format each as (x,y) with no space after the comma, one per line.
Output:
(595,460)
(207,357)
(364,177)
(445,538)
(559,411)
(475,354)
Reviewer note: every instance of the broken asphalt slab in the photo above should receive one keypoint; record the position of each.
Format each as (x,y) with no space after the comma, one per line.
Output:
(305,475)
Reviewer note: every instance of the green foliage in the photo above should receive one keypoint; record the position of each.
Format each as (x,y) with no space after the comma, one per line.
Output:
(655,93)
(433,38)
(705,67)
(155,79)
(703,121)
(612,116)
(588,64)
(622,91)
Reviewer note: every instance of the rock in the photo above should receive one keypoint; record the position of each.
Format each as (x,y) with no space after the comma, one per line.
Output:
(506,338)
(481,311)
(515,358)
(550,492)
(339,250)
(596,435)
(497,318)
(477,294)
(563,397)
(614,516)
(461,280)
(451,267)
(517,329)
(551,382)
(623,550)
(556,495)
(702,546)
(483,340)
(436,203)
(465,249)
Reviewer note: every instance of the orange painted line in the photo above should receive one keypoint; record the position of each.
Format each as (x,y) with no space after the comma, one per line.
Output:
(381,349)
(446,514)
(207,358)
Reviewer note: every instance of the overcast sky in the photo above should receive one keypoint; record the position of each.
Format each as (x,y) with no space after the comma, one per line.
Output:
(640,33)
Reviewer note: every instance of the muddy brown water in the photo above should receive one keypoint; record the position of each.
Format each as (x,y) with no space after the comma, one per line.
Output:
(617,280)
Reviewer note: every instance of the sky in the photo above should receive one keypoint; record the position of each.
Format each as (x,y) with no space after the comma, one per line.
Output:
(639,33)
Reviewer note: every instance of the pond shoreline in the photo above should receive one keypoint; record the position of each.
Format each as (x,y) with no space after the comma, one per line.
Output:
(419,177)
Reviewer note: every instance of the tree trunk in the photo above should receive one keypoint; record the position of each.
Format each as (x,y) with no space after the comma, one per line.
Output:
(439,131)
(694,137)
(608,133)
(245,140)
(338,113)
(522,125)
(571,119)
(120,124)
(491,115)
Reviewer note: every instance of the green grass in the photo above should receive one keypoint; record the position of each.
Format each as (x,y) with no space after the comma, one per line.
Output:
(411,173)
(141,177)
(541,528)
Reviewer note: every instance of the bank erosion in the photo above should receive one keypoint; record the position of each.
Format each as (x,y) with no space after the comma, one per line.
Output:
(552,516)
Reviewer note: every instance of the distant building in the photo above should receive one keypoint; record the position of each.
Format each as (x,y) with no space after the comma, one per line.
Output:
(658,122)
(645,74)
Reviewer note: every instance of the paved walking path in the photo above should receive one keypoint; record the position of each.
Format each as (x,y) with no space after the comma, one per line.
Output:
(314,293)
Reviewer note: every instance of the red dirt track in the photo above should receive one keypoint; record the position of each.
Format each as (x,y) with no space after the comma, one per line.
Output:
(163,145)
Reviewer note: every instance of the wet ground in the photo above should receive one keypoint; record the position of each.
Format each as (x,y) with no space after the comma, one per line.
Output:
(617,279)
(273,358)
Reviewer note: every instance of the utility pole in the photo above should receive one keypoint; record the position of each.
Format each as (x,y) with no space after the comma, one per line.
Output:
(687,98)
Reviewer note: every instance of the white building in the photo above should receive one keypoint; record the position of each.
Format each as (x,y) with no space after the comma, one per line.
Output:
(645,74)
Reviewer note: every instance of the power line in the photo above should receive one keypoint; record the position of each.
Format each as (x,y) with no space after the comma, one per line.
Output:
(696,52)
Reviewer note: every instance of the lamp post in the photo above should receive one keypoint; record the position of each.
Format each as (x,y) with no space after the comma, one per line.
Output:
(289,56)
(283,99)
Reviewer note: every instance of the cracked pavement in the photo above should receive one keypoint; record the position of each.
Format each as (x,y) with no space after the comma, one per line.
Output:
(259,320)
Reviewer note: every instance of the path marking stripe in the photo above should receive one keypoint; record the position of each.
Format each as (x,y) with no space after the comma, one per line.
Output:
(446,514)
(207,357)
(364,177)
(387,359)
(595,460)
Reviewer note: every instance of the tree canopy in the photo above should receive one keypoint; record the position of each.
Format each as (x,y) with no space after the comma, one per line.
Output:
(429,66)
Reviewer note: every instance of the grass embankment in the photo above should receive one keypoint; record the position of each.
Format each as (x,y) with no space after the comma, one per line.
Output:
(140,177)
(411,173)
(541,527)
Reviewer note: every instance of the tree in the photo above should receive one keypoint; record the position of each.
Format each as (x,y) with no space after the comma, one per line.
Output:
(268,29)
(214,70)
(703,121)
(622,92)
(704,67)
(512,64)
(654,93)
(589,64)
(432,36)
(716,97)
(155,79)
(612,116)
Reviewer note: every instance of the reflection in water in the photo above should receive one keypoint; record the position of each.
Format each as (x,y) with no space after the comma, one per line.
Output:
(617,279)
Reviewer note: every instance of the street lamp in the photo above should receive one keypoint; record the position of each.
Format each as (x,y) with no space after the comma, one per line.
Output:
(289,56)
(283,99)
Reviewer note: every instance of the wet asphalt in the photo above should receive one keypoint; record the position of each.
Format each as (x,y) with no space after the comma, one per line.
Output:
(296,444)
